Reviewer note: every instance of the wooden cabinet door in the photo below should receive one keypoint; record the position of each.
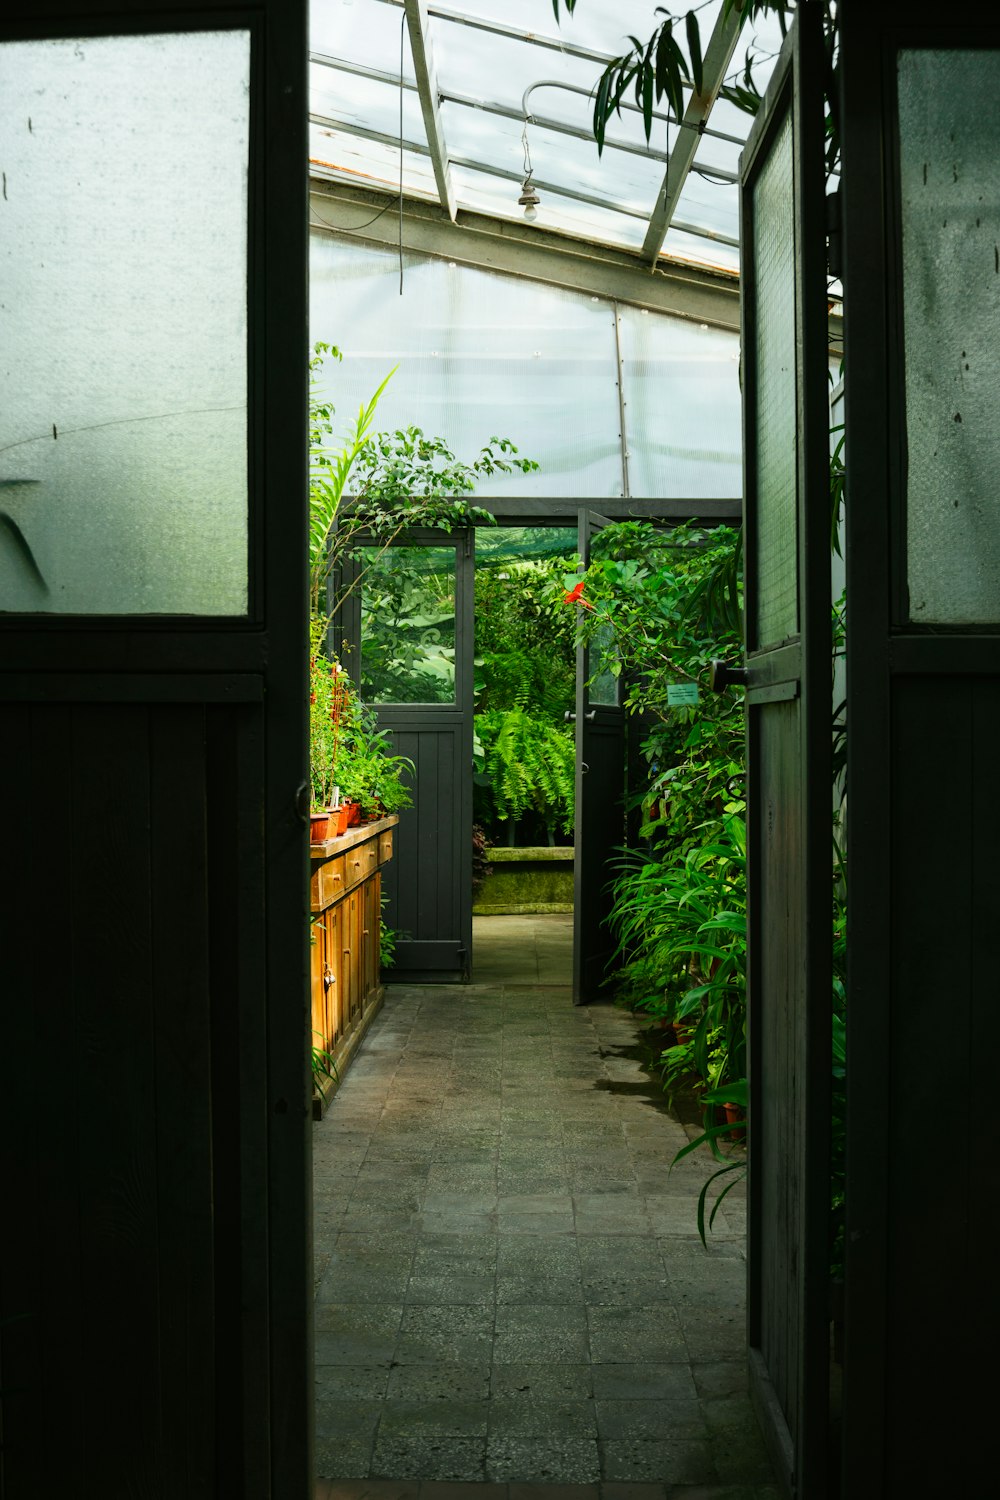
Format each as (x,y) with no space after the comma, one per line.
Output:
(317,988)
(333,976)
(366,944)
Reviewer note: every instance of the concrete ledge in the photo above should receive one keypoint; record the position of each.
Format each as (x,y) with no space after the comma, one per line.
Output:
(530,854)
(525,881)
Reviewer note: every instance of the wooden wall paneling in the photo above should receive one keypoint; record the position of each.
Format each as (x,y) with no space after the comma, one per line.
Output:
(778,1052)
(431,866)
(116,1127)
(239,1090)
(941,1213)
(180,1076)
(41,1079)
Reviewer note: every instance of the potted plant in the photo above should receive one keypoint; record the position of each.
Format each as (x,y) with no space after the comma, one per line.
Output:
(330,712)
(370,774)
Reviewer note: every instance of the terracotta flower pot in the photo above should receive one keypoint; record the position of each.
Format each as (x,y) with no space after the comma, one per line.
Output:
(735,1117)
(343,814)
(354,814)
(319,827)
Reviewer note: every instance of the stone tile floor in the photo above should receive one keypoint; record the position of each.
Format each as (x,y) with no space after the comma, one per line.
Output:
(510,1290)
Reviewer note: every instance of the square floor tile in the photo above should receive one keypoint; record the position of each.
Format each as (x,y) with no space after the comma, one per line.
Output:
(541,1461)
(442,1417)
(670,1462)
(428,1458)
(552,1420)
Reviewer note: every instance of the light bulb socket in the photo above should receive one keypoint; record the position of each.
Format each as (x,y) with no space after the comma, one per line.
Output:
(529,199)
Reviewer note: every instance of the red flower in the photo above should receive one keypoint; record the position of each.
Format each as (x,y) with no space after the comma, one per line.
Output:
(575,596)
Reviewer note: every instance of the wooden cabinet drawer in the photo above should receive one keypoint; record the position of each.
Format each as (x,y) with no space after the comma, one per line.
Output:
(328,882)
(361,862)
(385,846)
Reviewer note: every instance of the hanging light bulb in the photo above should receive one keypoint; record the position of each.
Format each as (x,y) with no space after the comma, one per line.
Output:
(529,199)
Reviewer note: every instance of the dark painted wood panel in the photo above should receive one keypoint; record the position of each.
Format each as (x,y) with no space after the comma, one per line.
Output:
(777,1003)
(942,1212)
(113,1170)
(428,881)
(136,1182)
(181,1080)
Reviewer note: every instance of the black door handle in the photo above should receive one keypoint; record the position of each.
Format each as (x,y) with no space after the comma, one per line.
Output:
(722,675)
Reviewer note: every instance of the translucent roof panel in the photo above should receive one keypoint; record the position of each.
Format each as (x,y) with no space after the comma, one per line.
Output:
(336,153)
(492,195)
(683,408)
(365,32)
(354,101)
(483,65)
(478,355)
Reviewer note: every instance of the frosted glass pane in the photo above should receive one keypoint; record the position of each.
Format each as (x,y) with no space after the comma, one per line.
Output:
(123,327)
(682,408)
(951,306)
(774,416)
(478,355)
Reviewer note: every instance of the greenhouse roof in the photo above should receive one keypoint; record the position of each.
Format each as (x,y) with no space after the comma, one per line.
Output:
(448,104)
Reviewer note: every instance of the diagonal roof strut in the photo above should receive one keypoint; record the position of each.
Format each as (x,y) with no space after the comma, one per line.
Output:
(718,55)
(418,26)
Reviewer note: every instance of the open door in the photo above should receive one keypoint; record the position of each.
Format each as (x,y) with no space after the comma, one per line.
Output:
(154,1036)
(600,796)
(789,791)
(412,622)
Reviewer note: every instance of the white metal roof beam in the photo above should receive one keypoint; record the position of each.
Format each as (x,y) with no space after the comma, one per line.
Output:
(515,33)
(509,111)
(718,55)
(574,195)
(691,292)
(423,66)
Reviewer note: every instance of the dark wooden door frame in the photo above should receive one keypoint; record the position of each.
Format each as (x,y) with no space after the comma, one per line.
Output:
(234,691)
(786,672)
(432,852)
(923,892)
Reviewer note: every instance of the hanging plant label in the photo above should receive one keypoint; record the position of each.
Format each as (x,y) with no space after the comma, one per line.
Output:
(683,694)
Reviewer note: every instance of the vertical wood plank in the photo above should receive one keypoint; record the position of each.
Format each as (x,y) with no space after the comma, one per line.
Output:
(181,1077)
(239,1093)
(116,1128)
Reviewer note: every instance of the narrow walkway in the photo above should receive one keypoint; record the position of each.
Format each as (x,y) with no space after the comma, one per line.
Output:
(510,1286)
